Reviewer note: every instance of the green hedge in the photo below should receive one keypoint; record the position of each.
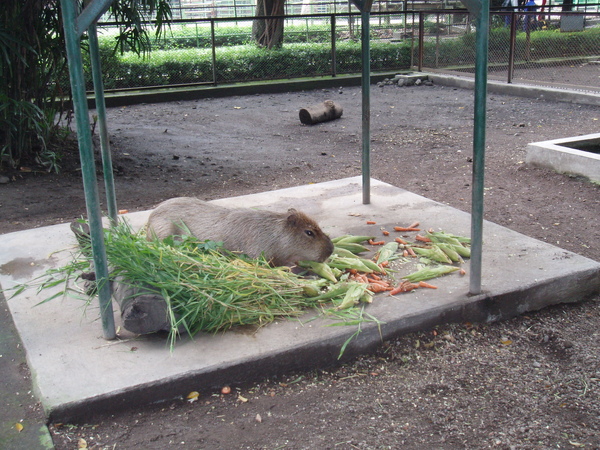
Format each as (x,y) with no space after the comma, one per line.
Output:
(245,63)
(238,63)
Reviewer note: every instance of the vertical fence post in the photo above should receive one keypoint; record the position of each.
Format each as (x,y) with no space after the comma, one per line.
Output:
(88,167)
(421,40)
(512,46)
(366,106)
(481,66)
(333,49)
(214,51)
(109,181)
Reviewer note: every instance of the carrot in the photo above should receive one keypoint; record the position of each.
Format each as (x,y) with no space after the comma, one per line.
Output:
(375,277)
(401,241)
(371,222)
(376,287)
(426,285)
(405,253)
(418,237)
(385,232)
(372,242)
(405,286)
(406,229)
(462,271)
(414,225)
(411,252)
(384,264)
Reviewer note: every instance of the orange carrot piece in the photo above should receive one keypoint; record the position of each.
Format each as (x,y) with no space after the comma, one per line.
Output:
(371,222)
(401,241)
(372,242)
(385,232)
(405,286)
(423,284)
(411,252)
(406,229)
(414,225)
(418,237)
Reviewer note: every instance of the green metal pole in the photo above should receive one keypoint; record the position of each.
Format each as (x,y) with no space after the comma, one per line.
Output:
(88,167)
(109,181)
(366,107)
(481,66)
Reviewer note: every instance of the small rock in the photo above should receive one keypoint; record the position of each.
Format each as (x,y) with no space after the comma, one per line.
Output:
(4,180)
(418,82)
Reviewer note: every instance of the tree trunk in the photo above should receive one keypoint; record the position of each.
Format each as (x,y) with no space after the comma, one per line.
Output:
(269,32)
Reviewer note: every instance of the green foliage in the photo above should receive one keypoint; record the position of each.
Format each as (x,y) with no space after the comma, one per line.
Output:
(33,72)
(247,63)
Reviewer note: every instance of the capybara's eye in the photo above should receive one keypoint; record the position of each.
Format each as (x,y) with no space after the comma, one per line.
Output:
(309,233)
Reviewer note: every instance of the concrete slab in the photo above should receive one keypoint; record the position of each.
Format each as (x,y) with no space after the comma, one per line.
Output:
(76,372)
(564,156)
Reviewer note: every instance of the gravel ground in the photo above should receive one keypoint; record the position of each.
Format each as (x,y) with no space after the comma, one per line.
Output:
(530,382)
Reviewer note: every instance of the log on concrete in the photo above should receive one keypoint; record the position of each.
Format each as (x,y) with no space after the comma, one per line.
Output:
(322,112)
(143,309)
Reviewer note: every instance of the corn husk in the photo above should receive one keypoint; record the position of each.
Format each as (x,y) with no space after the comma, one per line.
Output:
(386,252)
(427,273)
(433,253)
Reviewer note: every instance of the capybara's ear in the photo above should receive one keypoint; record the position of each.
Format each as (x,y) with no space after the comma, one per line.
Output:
(293,216)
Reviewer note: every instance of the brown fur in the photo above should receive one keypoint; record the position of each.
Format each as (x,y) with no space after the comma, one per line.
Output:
(283,238)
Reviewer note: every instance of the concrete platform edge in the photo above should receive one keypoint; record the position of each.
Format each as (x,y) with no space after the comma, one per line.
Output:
(483,308)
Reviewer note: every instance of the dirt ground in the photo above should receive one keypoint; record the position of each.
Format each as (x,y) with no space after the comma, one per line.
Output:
(530,382)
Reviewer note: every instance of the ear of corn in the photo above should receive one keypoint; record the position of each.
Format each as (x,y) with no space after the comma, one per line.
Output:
(427,273)
(350,239)
(352,247)
(349,263)
(353,295)
(433,253)
(321,269)
(386,252)
(449,251)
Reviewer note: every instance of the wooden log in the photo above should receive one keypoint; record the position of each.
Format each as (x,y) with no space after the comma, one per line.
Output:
(143,309)
(322,112)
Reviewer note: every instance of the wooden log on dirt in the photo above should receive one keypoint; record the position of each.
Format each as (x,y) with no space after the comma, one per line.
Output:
(322,112)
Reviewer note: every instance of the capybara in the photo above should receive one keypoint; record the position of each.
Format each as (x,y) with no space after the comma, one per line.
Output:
(283,238)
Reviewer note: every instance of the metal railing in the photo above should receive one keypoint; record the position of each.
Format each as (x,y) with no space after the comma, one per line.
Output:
(552,48)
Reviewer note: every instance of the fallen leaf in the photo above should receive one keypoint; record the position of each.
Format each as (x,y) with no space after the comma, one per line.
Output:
(237,107)
(193,396)
(19,427)
(506,342)
(242,399)
(576,444)
(81,443)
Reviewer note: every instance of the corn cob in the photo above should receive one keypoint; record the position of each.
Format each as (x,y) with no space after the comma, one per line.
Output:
(428,273)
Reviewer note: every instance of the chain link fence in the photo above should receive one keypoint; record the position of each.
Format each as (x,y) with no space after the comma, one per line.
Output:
(553,48)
